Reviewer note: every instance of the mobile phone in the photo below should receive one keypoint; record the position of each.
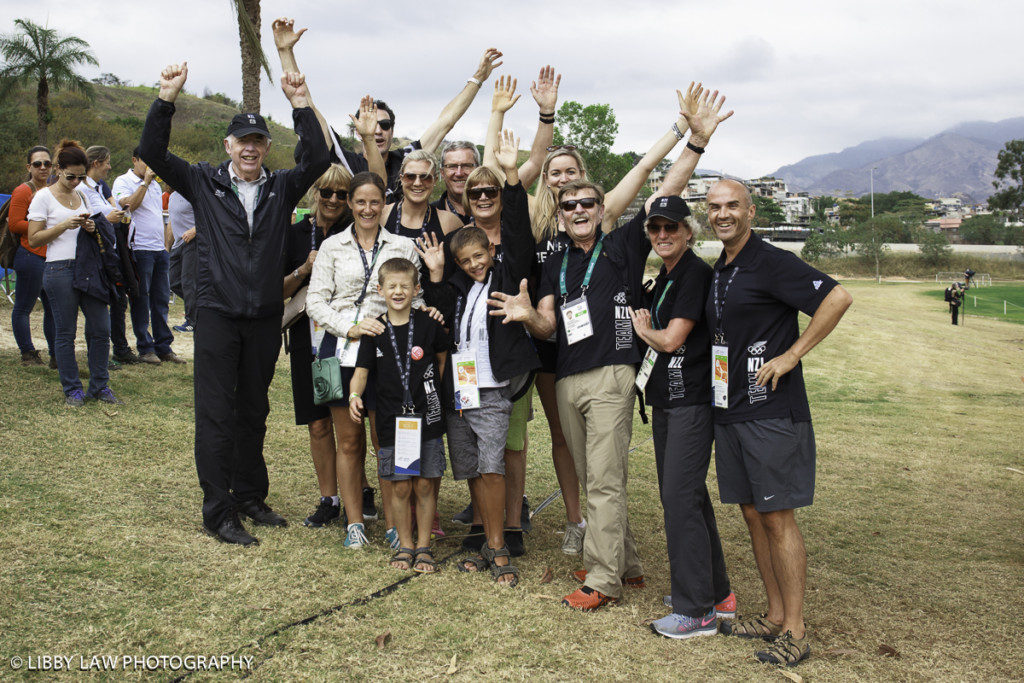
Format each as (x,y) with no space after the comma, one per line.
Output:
(98,214)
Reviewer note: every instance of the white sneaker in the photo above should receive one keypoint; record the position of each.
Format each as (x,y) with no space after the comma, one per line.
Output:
(356,537)
(572,544)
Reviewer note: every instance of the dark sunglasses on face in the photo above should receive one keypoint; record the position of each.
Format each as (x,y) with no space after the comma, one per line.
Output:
(42,164)
(385,124)
(669,228)
(490,192)
(413,177)
(74,178)
(552,148)
(326,192)
(586,202)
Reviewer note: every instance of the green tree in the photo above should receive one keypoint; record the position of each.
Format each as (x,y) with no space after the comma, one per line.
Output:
(41,55)
(592,129)
(870,240)
(935,248)
(1009,182)
(821,205)
(989,228)
(768,212)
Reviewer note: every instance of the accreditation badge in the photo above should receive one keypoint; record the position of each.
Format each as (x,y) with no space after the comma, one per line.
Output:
(646,366)
(465,380)
(576,319)
(408,441)
(720,376)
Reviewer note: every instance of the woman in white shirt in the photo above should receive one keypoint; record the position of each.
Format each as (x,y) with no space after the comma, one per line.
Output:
(55,217)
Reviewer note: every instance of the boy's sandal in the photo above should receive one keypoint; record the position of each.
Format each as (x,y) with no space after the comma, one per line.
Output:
(478,561)
(424,556)
(753,627)
(403,555)
(498,571)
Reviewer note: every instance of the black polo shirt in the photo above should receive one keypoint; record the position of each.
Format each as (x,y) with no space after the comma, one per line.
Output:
(613,286)
(759,321)
(682,378)
(443,203)
(378,356)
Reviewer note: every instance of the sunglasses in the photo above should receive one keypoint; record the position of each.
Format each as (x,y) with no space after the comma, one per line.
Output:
(413,177)
(385,124)
(553,148)
(490,192)
(326,192)
(42,164)
(73,177)
(569,205)
(669,228)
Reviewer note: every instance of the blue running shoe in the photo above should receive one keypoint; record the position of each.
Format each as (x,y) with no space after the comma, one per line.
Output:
(681,627)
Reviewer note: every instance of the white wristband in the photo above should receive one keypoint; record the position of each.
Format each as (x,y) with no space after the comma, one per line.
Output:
(474,80)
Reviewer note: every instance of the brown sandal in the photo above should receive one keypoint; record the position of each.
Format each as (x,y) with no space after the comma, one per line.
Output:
(753,627)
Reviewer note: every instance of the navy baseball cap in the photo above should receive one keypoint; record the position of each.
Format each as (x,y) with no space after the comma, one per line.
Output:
(672,208)
(247,124)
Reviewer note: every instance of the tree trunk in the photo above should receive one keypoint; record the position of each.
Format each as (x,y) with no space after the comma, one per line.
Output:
(43,109)
(250,60)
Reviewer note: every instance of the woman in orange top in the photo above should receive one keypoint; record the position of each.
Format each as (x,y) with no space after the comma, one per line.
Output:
(29,262)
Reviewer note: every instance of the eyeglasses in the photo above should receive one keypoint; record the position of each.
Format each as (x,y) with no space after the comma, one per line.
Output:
(385,124)
(669,228)
(75,178)
(42,164)
(326,192)
(569,205)
(413,177)
(458,167)
(490,192)
(554,148)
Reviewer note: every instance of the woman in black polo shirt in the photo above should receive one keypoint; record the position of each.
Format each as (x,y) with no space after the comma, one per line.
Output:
(330,215)
(676,378)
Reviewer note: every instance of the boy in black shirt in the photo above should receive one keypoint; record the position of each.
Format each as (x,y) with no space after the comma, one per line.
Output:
(407,361)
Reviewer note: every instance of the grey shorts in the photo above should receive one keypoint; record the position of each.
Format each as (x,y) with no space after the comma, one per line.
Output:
(476,438)
(769,463)
(431,461)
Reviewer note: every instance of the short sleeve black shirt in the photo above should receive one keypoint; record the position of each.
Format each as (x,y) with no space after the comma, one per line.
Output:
(682,378)
(377,355)
(759,322)
(444,203)
(613,286)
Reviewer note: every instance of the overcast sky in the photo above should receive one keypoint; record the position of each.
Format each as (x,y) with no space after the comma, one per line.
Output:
(804,77)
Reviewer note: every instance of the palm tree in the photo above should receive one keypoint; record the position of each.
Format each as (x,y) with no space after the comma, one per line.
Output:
(253,57)
(42,55)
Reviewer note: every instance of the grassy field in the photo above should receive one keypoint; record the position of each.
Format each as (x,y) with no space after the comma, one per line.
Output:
(916,559)
(989,301)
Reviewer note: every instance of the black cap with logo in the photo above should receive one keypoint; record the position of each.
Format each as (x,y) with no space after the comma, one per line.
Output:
(247,124)
(672,208)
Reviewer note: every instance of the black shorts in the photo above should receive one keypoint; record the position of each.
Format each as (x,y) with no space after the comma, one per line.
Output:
(769,463)
(547,351)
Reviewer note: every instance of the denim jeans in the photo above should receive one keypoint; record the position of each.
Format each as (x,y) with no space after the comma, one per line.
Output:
(152,303)
(28,288)
(183,280)
(65,300)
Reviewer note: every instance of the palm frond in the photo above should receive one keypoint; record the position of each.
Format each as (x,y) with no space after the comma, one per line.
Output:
(252,37)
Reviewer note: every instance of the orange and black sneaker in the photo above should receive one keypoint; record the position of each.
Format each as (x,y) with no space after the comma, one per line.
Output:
(727,608)
(631,581)
(586,599)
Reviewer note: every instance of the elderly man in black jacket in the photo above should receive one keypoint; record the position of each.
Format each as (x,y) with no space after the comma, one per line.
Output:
(246,211)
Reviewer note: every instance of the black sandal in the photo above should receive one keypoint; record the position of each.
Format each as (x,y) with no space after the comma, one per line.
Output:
(424,556)
(402,555)
(477,561)
(498,571)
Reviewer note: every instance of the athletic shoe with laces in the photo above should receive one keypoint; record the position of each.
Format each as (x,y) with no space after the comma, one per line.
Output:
(356,537)
(465,517)
(106,395)
(572,544)
(586,599)
(326,512)
(680,626)
(725,609)
(369,509)
(75,399)
(391,538)
(184,327)
(785,650)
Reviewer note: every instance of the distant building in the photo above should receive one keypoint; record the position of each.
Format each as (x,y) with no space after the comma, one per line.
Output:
(947,226)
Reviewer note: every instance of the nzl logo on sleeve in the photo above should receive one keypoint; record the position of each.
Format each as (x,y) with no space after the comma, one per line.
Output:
(755,359)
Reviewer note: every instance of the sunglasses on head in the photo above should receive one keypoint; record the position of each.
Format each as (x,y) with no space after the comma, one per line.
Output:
(490,192)
(669,228)
(73,177)
(413,177)
(586,202)
(385,124)
(326,192)
(553,148)
(42,164)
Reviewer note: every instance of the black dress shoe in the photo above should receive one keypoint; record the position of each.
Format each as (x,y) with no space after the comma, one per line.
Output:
(260,513)
(232,531)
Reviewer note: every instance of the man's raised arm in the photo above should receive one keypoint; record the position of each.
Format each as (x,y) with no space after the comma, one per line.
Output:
(453,111)
(156,133)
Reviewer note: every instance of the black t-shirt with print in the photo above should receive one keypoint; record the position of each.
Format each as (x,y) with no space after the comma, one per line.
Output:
(682,378)
(378,356)
(759,321)
(614,286)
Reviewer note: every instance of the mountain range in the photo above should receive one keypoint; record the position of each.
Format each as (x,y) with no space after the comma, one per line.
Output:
(959,161)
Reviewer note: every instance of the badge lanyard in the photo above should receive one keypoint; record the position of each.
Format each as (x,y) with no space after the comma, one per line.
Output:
(651,357)
(720,305)
(720,349)
(590,268)
(404,371)
(656,323)
(470,308)
(398,218)
(367,274)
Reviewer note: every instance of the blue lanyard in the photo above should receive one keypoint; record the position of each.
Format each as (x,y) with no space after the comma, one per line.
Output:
(654,313)
(590,268)
(471,307)
(398,219)
(403,370)
(367,268)
(720,305)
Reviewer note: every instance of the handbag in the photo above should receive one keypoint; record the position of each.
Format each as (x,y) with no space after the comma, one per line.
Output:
(327,383)
(294,308)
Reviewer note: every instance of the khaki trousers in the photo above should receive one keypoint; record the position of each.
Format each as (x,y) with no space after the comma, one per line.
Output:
(596,411)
